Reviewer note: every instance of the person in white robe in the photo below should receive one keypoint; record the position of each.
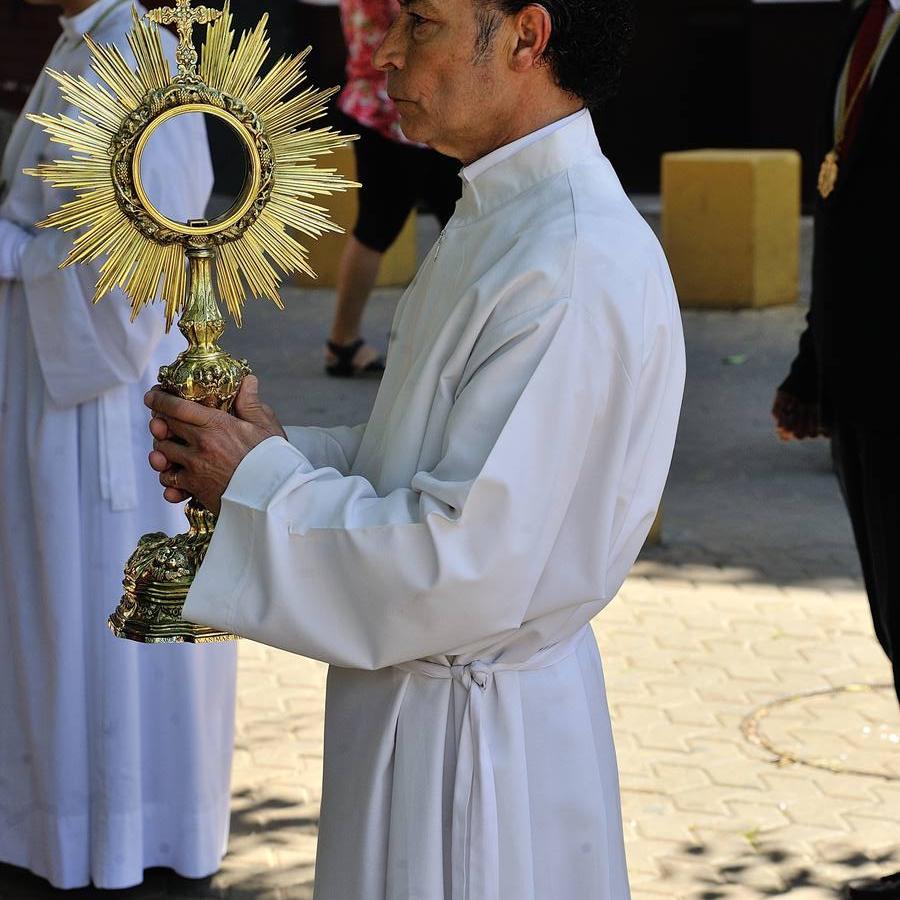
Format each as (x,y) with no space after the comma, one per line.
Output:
(447,556)
(114,756)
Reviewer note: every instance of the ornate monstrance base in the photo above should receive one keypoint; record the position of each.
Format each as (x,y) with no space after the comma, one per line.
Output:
(157,580)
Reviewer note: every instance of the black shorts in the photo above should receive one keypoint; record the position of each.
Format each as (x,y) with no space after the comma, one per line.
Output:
(395,178)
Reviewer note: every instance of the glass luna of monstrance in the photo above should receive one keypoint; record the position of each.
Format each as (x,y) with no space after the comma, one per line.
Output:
(245,250)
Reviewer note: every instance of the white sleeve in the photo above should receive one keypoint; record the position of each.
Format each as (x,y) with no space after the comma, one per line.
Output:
(317,563)
(86,349)
(327,448)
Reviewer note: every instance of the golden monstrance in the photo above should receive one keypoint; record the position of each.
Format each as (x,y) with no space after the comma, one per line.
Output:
(244,251)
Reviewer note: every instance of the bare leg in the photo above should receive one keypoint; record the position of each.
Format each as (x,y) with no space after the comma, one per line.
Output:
(356,278)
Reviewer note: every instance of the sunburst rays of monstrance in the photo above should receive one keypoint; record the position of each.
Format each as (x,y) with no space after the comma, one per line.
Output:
(244,252)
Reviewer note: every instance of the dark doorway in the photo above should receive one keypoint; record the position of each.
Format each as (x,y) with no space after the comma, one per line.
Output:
(721,73)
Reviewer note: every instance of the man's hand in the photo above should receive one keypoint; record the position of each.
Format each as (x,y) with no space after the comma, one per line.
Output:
(796,419)
(196,450)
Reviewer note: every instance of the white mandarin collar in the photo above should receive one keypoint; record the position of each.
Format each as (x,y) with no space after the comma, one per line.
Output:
(473,170)
(538,156)
(77,26)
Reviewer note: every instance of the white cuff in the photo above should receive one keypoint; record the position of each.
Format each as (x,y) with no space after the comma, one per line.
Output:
(230,558)
(263,471)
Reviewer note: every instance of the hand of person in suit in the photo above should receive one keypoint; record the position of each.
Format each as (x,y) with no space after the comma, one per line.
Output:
(796,419)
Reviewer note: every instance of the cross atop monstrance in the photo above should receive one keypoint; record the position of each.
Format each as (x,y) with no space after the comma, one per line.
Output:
(184,18)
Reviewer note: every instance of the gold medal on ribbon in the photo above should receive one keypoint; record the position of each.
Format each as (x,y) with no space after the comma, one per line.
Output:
(829,170)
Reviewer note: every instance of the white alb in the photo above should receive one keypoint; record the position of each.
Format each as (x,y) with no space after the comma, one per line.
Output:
(446,557)
(113,756)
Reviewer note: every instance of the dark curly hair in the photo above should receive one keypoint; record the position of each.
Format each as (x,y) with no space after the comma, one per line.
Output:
(588,44)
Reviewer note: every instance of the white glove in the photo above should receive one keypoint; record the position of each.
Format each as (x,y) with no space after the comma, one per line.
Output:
(13,241)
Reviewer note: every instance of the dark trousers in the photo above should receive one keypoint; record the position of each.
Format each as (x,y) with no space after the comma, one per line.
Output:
(868,467)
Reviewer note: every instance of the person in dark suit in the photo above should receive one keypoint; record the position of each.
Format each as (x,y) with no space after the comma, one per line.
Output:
(845,381)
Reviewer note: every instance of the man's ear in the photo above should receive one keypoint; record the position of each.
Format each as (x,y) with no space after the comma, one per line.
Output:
(532,27)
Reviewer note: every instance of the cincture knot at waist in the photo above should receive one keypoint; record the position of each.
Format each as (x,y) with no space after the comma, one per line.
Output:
(475,838)
(474,673)
(479,673)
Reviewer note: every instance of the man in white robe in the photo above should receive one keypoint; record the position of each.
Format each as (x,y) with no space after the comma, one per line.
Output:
(114,756)
(446,557)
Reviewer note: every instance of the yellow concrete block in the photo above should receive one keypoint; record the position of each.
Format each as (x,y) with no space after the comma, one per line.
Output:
(399,263)
(731,226)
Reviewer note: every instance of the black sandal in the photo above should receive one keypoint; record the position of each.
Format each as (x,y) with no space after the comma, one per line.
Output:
(341,361)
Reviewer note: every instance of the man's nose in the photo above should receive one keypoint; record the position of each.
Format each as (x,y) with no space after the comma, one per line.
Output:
(389,54)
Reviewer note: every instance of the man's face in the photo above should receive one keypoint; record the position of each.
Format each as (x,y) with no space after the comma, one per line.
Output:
(446,96)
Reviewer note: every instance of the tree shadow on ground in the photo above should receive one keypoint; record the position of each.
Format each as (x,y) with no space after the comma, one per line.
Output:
(255,821)
(276,819)
(724,878)
(163,884)
(815,565)
(159,884)
(263,821)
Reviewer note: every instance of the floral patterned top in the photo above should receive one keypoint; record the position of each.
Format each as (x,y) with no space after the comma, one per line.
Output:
(365,98)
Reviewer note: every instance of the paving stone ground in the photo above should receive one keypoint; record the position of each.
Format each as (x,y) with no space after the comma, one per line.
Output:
(758,742)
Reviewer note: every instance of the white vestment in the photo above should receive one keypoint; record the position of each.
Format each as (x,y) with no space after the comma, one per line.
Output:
(446,558)
(114,756)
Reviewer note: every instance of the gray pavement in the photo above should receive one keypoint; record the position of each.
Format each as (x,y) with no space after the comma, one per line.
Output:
(759,744)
